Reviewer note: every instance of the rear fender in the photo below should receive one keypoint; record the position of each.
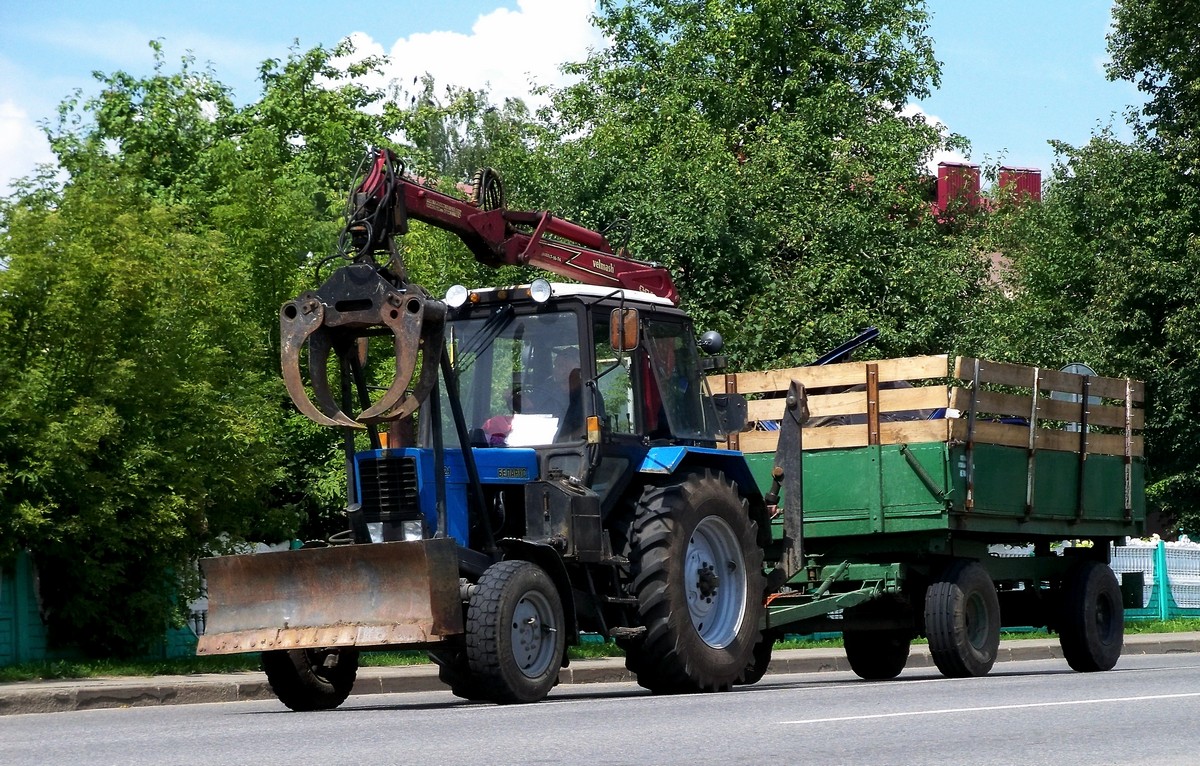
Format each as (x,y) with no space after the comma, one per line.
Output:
(667,461)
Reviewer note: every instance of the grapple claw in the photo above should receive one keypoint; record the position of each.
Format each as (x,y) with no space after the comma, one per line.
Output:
(354,302)
(416,324)
(299,321)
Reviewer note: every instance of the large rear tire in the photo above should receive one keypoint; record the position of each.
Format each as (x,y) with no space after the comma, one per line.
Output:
(962,620)
(311,679)
(877,655)
(515,637)
(760,661)
(697,573)
(1092,630)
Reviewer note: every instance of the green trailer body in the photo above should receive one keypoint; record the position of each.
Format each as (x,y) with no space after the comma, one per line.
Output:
(861,500)
(915,467)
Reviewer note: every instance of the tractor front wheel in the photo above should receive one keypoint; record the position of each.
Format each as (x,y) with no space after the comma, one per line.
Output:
(515,636)
(311,679)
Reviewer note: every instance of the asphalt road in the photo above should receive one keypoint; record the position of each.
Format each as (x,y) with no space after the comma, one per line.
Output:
(1034,712)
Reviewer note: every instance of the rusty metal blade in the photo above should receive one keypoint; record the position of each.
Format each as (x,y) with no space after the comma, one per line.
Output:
(383,594)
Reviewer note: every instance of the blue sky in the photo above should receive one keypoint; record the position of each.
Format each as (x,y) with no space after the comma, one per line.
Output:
(1015,73)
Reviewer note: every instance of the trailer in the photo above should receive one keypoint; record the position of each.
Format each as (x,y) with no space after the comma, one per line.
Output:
(946,498)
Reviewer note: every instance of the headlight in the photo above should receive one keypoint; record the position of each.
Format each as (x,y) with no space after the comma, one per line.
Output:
(539,290)
(375,531)
(456,296)
(413,530)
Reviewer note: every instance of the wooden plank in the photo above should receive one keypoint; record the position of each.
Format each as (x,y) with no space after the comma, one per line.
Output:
(758,441)
(1019,405)
(848,374)
(831,437)
(855,403)
(1000,373)
(913,431)
(841,437)
(1006,374)
(991,403)
(1107,415)
(1046,438)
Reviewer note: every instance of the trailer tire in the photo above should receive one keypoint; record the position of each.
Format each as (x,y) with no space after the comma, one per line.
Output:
(515,635)
(877,655)
(962,620)
(1092,629)
(302,681)
(697,573)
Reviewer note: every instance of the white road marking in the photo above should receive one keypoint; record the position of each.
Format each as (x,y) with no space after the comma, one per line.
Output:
(989,708)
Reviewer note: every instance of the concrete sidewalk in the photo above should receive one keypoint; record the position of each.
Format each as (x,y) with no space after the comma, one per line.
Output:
(116,692)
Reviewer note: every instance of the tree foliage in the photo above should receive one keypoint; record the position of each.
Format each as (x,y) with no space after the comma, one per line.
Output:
(1153,44)
(141,403)
(761,152)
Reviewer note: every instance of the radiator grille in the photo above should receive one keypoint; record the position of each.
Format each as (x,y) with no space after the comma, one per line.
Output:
(389,488)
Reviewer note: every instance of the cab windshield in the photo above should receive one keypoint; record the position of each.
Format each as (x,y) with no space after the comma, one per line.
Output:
(519,377)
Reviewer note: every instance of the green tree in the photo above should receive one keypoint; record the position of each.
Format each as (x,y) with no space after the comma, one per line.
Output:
(1103,273)
(760,151)
(144,418)
(133,428)
(1153,44)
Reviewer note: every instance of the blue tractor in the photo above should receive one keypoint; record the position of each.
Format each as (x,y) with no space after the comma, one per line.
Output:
(543,463)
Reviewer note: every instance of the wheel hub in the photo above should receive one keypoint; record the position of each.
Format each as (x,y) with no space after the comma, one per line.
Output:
(714,559)
(533,636)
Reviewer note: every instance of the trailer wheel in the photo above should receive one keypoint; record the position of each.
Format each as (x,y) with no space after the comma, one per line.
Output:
(515,637)
(962,620)
(311,679)
(877,655)
(697,572)
(1092,629)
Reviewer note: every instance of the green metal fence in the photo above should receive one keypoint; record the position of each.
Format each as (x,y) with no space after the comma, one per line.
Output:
(1171,574)
(23,634)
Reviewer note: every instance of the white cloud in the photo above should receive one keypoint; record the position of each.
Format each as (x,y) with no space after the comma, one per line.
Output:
(505,52)
(22,145)
(939,156)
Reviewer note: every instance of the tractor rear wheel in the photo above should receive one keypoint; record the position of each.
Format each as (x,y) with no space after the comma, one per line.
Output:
(760,660)
(962,620)
(1092,629)
(696,570)
(515,636)
(311,679)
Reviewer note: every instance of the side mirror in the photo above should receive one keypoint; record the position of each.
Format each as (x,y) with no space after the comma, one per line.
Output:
(711,342)
(623,329)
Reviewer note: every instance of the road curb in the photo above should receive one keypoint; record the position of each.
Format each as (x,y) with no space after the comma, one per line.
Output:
(102,693)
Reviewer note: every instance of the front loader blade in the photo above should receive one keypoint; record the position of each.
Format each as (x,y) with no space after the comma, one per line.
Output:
(382,594)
